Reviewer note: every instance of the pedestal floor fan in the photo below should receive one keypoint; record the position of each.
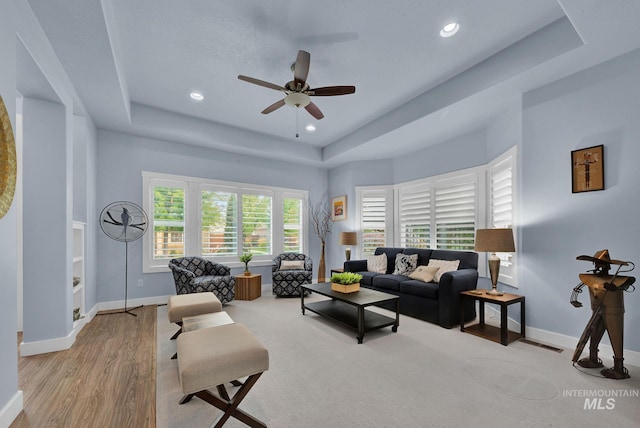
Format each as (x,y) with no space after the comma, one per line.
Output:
(124,222)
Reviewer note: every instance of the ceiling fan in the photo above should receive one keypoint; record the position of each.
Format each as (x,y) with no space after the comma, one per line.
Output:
(298,90)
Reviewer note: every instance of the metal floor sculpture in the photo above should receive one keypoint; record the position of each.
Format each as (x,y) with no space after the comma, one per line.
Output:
(607,304)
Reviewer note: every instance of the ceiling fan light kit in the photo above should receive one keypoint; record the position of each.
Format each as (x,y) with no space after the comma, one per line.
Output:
(298,93)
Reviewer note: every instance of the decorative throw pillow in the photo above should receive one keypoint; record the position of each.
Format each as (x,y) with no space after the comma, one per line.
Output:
(424,273)
(377,264)
(292,265)
(445,266)
(405,264)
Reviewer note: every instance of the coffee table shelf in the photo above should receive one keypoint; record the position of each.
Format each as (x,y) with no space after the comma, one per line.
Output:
(349,308)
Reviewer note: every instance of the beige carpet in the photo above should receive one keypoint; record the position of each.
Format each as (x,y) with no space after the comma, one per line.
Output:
(421,376)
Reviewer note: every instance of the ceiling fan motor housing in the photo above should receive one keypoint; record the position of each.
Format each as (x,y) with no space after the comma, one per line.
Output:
(297,99)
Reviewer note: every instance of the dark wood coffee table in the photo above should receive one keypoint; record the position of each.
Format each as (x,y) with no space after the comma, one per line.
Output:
(349,308)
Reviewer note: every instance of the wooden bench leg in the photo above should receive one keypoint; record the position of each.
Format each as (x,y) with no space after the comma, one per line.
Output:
(230,407)
(177,333)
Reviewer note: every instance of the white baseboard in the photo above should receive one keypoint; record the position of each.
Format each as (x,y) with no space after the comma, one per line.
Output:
(49,345)
(492,316)
(11,410)
(119,304)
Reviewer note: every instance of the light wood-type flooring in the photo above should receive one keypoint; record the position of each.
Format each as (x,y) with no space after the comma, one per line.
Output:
(106,379)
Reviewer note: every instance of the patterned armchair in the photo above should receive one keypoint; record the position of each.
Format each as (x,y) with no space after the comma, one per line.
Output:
(197,275)
(287,277)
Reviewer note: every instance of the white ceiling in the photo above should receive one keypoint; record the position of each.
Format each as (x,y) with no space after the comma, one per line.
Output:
(133,64)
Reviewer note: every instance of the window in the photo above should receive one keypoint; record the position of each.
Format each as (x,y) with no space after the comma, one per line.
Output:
(415,216)
(219,220)
(219,228)
(455,216)
(292,209)
(168,220)
(501,208)
(375,218)
(256,224)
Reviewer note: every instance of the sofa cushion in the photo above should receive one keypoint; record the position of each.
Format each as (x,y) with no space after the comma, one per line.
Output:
(391,256)
(388,282)
(423,254)
(367,277)
(377,264)
(405,264)
(468,259)
(444,266)
(424,273)
(419,288)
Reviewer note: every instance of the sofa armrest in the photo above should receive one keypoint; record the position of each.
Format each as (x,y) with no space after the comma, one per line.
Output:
(451,284)
(355,266)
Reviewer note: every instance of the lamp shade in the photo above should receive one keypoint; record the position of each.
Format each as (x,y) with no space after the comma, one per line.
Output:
(348,238)
(495,240)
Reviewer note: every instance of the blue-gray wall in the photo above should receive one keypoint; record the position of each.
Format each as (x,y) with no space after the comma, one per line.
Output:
(122,158)
(8,224)
(598,106)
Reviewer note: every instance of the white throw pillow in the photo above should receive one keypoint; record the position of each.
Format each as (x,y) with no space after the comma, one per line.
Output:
(405,264)
(424,273)
(377,264)
(445,266)
(292,265)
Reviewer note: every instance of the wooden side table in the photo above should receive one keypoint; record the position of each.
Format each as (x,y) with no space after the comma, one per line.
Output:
(248,287)
(337,270)
(501,335)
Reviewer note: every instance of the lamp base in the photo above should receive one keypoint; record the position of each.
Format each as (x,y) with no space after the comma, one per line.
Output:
(494,292)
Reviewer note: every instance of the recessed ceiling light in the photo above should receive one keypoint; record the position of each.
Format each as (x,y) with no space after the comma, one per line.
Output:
(310,127)
(449,30)
(196,96)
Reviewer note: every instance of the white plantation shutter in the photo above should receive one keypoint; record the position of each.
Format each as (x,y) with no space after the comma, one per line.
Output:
(375,219)
(415,217)
(501,207)
(455,216)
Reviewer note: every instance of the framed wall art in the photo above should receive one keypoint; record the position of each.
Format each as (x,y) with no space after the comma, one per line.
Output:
(587,169)
(339,208)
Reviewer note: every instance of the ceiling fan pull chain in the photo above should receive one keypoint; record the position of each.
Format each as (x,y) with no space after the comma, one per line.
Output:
(297,120)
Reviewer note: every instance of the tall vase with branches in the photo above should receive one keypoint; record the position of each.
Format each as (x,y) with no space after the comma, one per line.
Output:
(320,217)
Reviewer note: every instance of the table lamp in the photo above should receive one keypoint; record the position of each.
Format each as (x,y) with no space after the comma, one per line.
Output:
(494,241)
(349,239)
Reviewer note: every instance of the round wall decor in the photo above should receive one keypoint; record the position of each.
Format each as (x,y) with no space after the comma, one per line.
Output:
(8,162)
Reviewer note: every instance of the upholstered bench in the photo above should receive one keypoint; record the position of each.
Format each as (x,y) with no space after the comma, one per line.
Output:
(189,305)
(210,357)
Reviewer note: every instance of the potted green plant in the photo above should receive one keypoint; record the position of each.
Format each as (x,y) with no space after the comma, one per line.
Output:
(246,258)
(346,282)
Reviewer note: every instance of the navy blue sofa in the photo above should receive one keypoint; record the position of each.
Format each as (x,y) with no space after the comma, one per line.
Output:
(429,301)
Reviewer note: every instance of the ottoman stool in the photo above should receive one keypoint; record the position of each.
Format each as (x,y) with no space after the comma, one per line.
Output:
(189,305)
(212,356)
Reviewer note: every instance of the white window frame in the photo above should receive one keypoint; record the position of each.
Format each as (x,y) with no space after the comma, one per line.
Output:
(193,187)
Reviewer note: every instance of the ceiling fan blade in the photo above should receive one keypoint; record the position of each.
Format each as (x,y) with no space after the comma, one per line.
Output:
(328,91)
(262,83)
(301,68)
(314,111)
(274,106)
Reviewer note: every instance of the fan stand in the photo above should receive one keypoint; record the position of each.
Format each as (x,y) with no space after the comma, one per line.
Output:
(126,285)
